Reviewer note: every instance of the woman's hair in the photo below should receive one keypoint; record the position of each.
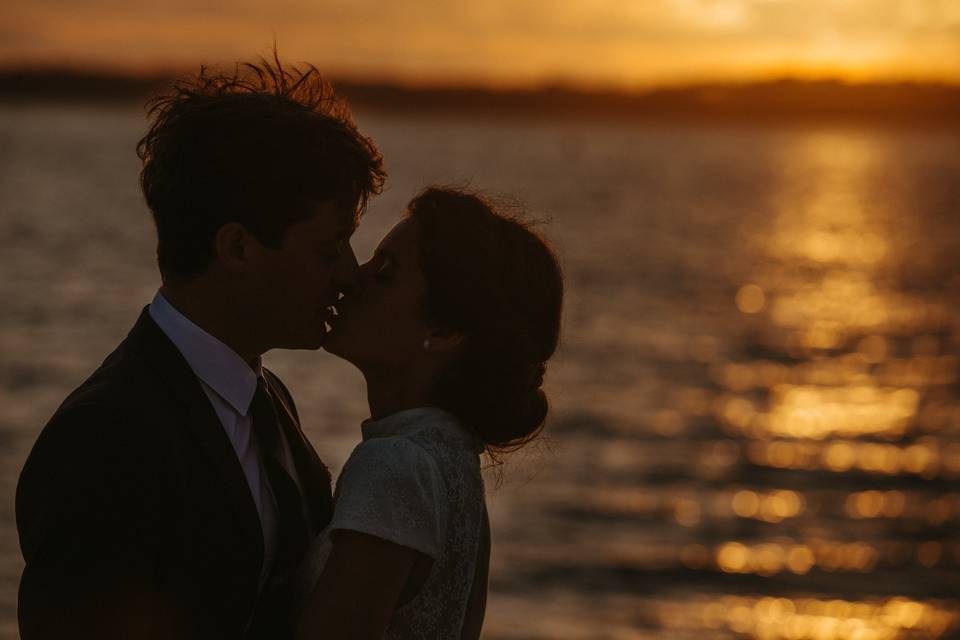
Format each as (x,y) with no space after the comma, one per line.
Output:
(495,281)
(262,146)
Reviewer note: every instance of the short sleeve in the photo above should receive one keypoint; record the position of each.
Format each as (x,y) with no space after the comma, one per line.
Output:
(390,488)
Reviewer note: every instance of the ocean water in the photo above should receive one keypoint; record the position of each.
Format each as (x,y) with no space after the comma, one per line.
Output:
(756,412)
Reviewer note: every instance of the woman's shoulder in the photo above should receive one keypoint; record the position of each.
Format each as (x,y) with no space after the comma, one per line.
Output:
(391,460)
(392,489)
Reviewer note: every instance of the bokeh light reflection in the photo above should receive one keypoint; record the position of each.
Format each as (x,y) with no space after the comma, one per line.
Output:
(765,617)
(854,378)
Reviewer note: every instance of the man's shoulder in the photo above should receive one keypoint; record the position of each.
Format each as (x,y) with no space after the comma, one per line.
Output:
(124,383)
(95,420)
(118,421)
(131,395)
(114,405)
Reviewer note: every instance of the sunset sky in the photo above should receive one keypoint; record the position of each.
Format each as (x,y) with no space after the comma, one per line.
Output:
(630,43)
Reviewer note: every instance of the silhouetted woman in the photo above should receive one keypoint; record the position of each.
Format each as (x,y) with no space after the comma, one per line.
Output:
(457,313)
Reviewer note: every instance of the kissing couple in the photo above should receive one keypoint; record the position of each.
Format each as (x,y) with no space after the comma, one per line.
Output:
(174,494)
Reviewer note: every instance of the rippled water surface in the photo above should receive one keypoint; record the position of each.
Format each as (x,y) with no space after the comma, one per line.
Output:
(756,428)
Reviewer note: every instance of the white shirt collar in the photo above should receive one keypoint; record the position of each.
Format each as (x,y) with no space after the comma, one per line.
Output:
(215,363)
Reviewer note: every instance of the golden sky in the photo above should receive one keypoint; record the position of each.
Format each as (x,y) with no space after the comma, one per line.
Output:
(622,42)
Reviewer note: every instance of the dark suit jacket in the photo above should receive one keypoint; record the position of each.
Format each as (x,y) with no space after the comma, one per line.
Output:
(134,515)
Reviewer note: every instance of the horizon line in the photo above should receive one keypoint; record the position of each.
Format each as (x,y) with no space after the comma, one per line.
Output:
(779,99)
(405,82)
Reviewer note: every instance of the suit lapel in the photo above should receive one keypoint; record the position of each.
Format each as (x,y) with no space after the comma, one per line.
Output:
(313,475)
(200,420)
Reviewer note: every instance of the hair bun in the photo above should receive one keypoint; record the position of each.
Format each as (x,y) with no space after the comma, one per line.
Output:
(509,311)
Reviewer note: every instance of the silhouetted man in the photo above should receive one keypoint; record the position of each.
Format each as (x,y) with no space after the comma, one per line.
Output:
(173,493)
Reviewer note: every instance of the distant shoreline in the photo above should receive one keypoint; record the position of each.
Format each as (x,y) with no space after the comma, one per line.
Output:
(909,103)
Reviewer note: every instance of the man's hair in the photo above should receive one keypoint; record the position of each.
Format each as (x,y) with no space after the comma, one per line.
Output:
(262,147)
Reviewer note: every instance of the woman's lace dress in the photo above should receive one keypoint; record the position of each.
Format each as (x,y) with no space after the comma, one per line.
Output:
(415,481)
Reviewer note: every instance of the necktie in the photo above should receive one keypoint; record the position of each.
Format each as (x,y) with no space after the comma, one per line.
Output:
(291,525)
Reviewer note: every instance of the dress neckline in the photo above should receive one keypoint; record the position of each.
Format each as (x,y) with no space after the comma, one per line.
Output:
(411,421)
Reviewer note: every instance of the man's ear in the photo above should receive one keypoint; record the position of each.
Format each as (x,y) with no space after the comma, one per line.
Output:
(233,246)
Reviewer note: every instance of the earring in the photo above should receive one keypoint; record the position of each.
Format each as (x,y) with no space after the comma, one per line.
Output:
(426,344)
